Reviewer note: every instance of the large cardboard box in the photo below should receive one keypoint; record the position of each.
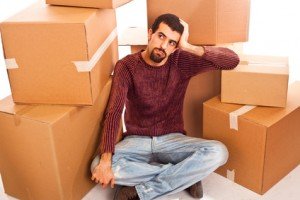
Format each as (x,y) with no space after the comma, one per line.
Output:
(89,3)
(210,21)
(46,150)
(59,55)
(263,143)
(257,80)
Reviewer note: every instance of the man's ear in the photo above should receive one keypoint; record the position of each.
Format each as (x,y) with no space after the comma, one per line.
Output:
(150,32)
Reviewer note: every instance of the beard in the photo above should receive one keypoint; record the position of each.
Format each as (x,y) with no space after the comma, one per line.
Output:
(159,56)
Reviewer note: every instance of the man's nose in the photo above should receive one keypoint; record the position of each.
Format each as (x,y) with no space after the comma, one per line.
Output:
(164,44)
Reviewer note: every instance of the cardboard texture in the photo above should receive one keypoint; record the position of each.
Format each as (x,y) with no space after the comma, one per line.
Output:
(89,3)
(266,146)
(257,80)
(58,52)
(46,150)
(210,21)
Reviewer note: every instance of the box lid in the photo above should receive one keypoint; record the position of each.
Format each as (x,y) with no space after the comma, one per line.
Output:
(41,12)
(263,64)
(41,113)
(266,116)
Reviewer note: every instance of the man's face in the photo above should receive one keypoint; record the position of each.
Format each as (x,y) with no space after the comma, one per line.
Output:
(162,43)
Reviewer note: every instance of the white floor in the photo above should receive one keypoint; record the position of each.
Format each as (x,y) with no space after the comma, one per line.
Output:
(215,188)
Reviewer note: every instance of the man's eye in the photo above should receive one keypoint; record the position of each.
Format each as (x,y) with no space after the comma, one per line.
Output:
(172,43)
(161,36)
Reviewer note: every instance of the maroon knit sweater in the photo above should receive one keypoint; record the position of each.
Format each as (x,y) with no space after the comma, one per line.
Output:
(154,96)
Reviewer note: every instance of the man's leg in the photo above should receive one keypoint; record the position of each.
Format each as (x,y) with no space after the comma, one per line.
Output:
(192,160)
(131,161)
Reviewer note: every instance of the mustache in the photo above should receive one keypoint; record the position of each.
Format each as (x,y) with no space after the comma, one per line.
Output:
(161,50)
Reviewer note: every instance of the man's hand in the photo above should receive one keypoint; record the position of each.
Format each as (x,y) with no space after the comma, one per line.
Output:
(103,173)
(183,42)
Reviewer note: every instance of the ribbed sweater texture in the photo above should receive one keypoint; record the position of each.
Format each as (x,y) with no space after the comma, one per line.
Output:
(153,96)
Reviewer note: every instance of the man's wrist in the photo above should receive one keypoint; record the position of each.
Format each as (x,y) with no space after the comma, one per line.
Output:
(106,156)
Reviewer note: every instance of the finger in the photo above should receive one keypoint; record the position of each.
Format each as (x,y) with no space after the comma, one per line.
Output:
(112,183)
(94,177)
(104,185)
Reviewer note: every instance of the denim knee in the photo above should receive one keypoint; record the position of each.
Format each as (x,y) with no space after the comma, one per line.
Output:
(222,153)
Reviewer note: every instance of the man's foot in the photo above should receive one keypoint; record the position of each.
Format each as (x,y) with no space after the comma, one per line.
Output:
(196,190)
(126,193)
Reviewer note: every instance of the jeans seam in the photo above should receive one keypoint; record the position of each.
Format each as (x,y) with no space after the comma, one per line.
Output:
(137,188)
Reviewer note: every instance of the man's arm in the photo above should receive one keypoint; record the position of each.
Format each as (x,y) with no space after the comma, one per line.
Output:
(184,45)
(193,60)
(103,173)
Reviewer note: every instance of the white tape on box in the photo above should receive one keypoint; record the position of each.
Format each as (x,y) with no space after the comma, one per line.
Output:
(230,175)
(86,66)
(11,63)
(233,116)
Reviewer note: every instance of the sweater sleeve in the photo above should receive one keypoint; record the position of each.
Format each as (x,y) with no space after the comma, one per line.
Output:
(212,59)
(112,116)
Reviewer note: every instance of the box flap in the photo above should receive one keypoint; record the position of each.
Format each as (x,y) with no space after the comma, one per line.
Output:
(41,113)
(263,64)
(41,12)
(246,59)
(271,68)
(8,106)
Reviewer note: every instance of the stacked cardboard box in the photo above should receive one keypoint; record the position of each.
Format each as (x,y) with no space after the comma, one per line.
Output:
(89,3)
(263,142)
(55,55)
(46,150)
(257,80)
(59,55)
(210,21)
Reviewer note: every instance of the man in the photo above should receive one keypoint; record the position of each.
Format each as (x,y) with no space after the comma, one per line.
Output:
(156,158)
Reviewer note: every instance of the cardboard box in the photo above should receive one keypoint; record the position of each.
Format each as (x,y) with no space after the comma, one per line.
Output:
(89,3)
(210,21)
(257,80)
(46,150)
(263,143)
(59,55)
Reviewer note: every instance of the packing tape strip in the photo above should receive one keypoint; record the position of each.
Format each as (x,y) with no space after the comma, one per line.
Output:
(230,174)
(86,66)
(233,116)
(11,63)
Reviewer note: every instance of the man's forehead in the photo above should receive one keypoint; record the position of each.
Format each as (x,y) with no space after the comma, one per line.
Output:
(166,30)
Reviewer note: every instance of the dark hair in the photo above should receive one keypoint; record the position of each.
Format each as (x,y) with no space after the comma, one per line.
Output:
(171,20)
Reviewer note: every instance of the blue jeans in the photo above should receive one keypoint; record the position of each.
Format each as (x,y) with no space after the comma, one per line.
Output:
(164,165)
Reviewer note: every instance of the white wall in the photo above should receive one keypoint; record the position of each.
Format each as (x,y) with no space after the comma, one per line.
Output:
(273,30)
